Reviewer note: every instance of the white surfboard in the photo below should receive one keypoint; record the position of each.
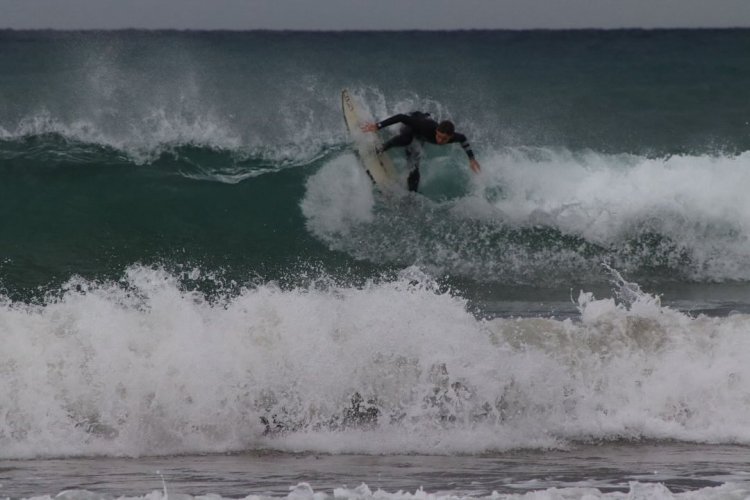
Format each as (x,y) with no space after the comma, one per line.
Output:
(379,167)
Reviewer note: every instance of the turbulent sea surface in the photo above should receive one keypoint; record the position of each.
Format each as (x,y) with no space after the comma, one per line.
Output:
(201,294)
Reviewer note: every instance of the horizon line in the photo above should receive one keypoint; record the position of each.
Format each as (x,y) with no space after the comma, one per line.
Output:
(385,30)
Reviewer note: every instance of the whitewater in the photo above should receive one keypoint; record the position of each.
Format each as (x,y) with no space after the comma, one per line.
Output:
(142,367)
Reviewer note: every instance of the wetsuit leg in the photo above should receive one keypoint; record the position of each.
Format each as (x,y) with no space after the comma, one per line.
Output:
(413,156)
(404,138)
(412,182)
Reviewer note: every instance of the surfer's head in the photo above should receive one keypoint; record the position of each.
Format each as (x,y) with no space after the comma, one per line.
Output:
(444,132)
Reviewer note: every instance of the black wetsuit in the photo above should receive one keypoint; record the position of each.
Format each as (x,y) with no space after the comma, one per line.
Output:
(419,126)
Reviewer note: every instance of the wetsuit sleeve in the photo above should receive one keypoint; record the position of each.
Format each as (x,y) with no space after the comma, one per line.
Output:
(400,118)
(461,139)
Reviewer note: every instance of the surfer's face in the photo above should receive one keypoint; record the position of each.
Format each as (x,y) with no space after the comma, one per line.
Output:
(442,137)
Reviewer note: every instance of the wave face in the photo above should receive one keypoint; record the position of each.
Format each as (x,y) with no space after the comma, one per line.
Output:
(127,147)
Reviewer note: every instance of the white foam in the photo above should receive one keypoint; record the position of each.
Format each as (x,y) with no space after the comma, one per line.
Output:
(304,491)
(697,202)
(339,197)
(143,141)
(687,213)
(143,367)
(577,190)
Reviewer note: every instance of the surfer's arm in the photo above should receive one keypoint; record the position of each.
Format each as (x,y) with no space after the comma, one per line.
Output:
(399,118)
(473,163)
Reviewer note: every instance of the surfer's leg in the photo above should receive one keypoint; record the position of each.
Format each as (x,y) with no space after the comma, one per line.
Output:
(404,138)
(412,182)
(413,156)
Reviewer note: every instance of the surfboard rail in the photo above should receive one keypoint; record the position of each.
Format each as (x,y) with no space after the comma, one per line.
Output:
(378,165)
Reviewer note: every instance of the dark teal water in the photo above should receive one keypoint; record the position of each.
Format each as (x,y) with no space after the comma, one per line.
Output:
(194,149)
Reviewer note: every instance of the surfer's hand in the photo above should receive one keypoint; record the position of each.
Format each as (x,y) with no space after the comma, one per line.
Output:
(369,127)
(474,166)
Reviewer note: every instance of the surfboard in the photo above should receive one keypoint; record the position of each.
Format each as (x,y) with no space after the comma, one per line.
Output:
(378,166)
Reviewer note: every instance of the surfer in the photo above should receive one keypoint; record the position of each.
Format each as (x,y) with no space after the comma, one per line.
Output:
(418,125)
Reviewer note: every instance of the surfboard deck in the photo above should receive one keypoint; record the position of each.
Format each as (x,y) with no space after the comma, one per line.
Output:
(379,167)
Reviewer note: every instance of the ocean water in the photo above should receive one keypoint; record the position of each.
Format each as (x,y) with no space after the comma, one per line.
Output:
(202,295)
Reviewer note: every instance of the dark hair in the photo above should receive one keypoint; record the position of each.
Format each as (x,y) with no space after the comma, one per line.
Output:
(446,127)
